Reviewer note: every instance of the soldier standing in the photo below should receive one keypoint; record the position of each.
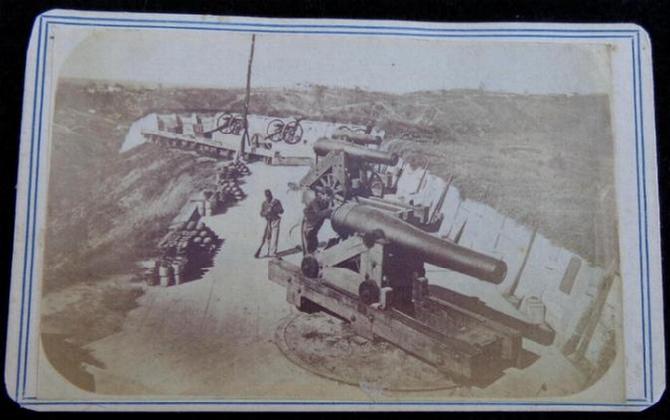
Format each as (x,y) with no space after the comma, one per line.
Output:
(271,210)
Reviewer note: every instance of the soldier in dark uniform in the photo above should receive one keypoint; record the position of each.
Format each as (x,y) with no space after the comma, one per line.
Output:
(315,213)
(271,210)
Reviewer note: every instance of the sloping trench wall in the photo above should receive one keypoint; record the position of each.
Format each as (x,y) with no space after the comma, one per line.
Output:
(576,294)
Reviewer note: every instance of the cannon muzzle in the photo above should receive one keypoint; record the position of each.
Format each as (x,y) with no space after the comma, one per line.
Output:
(359,218)
(358,138)
(324,146)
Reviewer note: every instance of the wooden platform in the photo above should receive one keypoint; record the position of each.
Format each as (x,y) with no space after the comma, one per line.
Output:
(460,343)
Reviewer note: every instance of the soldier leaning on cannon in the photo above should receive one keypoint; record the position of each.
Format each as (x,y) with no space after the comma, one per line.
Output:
(315,213)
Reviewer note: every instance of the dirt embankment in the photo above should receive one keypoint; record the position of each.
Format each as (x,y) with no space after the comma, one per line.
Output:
(105,209)
(106,212)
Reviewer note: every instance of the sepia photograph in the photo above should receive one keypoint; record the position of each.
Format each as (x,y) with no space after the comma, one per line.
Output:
(338,215)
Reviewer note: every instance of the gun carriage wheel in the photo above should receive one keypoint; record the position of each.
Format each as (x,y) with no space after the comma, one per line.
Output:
(376,185)
(274,130)
(223,123)
(292,132)
(332,187)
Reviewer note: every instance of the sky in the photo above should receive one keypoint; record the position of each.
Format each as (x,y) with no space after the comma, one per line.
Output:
(386,64)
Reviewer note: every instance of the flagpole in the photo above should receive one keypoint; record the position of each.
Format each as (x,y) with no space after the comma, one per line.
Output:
(245,135)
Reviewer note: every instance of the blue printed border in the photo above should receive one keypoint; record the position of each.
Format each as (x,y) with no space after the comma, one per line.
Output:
(44,22)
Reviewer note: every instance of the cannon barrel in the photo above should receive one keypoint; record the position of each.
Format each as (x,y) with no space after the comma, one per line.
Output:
(324,146)
(358,138)
(359,218)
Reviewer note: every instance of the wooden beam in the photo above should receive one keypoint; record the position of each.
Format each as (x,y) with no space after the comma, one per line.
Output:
(510,292)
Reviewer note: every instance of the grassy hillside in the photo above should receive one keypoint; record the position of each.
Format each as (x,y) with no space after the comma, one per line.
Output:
(546,161)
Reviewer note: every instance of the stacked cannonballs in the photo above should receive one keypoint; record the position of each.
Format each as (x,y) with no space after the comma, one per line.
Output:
(228,187)
(184,246)
(241,167)
(205,238)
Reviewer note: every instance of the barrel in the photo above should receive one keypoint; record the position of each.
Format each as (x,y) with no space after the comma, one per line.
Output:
(153,278)
(534,309)
(358,138)
(178,269)
(324,146)
(164,275)
(359,218)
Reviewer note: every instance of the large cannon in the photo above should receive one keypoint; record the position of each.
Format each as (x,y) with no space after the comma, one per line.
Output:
(346,170)
(358,138)
(373,276)
(324,146)
(373,273)
(353,218)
